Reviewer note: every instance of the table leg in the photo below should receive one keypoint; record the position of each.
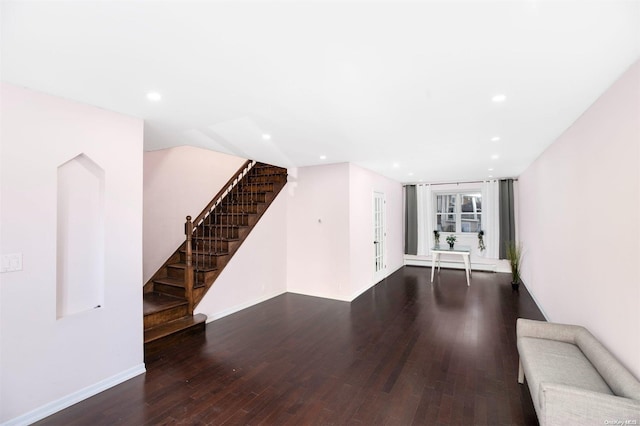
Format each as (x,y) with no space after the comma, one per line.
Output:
(467,267)
(434,259)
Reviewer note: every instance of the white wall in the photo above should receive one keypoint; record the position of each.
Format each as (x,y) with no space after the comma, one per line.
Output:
(330,229)
(362,184)
(178,182)
(318,231)
(49,363)
(257,271)
(579,222)
(314,239)
(181,181)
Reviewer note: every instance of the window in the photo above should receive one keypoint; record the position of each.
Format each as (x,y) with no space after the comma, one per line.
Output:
(459,212)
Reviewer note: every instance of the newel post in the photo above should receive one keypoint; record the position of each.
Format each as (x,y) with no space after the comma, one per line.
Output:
(188,271)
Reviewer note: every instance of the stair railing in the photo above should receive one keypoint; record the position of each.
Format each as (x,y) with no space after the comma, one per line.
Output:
(188,271)
(213,228)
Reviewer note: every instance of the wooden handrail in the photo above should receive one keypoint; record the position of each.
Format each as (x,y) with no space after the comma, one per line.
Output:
(213,201)
(190,226)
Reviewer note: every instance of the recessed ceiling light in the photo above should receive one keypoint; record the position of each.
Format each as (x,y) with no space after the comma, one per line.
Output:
(266,136)
(491,169)
(495,139)
(499,98)
(410,173)
(490,175)
(495,156)
(396,165)
(154,96)
(323,157)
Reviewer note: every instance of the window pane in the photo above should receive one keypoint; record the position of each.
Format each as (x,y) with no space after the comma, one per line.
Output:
(446,203)
(471,222)
(471,203)
(446,223)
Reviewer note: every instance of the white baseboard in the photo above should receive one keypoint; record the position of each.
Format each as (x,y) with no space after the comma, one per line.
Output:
(357,293)
(533,296)
(318,294)
(75,397)
(489,267)
(240,306)
(349,298)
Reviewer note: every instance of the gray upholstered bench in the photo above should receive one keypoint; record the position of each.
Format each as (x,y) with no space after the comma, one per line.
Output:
(573,379)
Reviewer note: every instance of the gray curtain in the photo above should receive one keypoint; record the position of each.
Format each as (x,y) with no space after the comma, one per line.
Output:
(507,216)
(411,220)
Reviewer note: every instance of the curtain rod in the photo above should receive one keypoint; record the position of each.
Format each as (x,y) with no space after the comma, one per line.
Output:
(458,183)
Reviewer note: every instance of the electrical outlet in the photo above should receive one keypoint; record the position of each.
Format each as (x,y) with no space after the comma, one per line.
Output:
(11,262)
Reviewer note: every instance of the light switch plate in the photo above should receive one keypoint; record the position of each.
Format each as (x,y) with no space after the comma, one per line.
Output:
(11,262)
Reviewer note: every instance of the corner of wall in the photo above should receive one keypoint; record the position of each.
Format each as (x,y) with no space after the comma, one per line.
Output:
(65,359)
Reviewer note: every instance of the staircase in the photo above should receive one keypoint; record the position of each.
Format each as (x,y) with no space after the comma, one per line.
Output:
(211,240)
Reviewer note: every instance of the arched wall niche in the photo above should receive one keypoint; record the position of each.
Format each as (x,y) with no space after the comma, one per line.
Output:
(80,236)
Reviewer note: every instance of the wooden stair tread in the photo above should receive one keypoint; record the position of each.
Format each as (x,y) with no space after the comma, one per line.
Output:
(201,268)
(263,173)
(240,202)
(205,237)
(167,317)
(155,302)
(205,253)
(268,176)
(172,327)
(256,192)
(173,282)
(260,165)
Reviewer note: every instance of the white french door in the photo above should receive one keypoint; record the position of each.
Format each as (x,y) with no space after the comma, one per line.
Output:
(379,236)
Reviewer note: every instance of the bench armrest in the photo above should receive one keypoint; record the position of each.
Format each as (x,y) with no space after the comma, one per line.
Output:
(546,330)
(566,405)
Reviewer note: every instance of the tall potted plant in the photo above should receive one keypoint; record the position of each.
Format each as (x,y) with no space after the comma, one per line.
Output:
(514,255)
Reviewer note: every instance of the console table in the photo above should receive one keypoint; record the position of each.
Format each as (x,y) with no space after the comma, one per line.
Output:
(464,251)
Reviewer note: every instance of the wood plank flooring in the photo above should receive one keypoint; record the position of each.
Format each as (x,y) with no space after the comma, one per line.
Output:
(406,352)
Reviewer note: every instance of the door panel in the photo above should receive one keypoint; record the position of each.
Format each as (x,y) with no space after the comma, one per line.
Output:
(379,236)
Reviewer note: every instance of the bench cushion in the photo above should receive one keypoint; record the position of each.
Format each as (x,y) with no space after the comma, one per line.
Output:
(558,362)
(619,379)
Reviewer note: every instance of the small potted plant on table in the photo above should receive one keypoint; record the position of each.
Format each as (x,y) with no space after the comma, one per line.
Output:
(451,239)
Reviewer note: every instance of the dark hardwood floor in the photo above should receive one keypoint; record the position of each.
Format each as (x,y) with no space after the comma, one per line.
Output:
(405,352)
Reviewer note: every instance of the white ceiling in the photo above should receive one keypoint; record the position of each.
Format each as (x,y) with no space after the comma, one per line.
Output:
(401,88)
